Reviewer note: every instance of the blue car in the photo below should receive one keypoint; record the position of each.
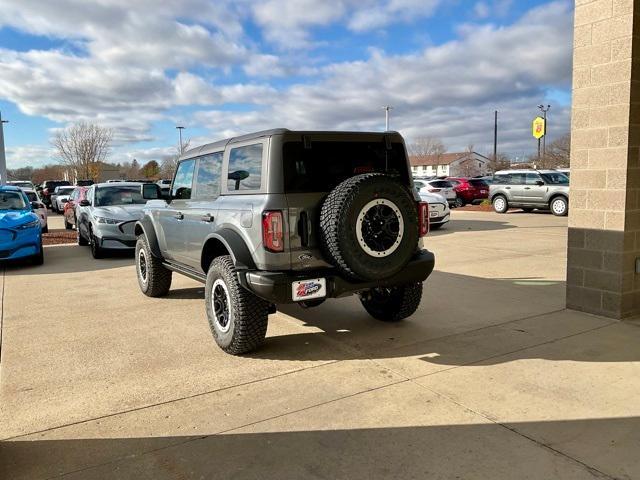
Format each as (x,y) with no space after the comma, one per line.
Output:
(20,231)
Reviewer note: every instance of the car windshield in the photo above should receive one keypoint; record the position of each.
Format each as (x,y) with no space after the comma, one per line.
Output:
(32,196)
(12,201)
(555,178)
(119,195)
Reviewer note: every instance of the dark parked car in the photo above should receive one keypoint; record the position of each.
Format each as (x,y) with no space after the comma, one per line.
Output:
(469,190)
(84,183)
(48,187)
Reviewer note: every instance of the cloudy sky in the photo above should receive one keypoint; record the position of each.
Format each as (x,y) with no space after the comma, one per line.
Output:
(223,67)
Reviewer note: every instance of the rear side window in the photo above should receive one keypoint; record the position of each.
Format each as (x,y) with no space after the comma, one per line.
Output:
(441,184)
(208,177)
(479,183)
(503,179)
(245,168)
(532,178)
(181,188)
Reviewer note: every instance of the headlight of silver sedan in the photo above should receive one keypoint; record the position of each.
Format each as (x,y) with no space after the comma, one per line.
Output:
(108,221)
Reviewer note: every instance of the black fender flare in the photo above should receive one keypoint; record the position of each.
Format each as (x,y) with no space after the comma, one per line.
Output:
(236,246)
(145,227)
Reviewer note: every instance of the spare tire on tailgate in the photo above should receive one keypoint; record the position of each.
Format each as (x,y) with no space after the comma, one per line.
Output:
(369,226)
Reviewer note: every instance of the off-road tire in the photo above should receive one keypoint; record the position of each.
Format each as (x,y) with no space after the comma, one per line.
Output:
(557,211)
(248,315)
(501,207)
(158,278)
(339,222)
(392,304)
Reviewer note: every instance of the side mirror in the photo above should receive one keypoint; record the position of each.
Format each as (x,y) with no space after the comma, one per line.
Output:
(150,191)
(35,205)
(540,183)
(84,203)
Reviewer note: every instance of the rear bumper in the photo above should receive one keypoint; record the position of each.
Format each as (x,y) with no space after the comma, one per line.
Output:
(275,287)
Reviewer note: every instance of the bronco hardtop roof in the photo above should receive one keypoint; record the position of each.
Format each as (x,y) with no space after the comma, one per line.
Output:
(211,147)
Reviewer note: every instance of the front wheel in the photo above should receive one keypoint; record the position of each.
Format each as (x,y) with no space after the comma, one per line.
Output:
(500,204)
(81,240)
(96,250)
(38,258)
(459,202)
(67,225)
(238,319)
(559,206)
(392,304)
(153,277)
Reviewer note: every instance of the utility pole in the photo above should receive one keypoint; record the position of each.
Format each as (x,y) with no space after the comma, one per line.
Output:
(180,147)
(544,137)
(495,137)
(3,157)
(387,109)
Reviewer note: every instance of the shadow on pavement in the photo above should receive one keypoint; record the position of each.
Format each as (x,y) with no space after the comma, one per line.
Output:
(69,259)
(587,449)
(458,225)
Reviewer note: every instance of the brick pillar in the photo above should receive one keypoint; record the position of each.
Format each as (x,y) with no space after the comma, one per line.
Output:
(604,215)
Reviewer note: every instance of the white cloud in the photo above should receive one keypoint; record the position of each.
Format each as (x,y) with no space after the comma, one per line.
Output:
(481,10)
(383,13)
(29,156)
(450,90)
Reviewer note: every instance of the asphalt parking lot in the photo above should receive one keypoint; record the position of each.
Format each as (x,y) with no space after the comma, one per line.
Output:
(491,378)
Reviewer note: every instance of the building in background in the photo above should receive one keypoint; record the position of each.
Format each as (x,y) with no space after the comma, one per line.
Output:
(462,164)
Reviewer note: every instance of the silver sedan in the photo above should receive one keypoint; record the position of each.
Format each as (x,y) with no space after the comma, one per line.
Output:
(106,219)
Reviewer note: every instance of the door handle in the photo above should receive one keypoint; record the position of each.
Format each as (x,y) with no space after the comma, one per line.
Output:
(507,188)
(178,215)
(527,188)
(207,218)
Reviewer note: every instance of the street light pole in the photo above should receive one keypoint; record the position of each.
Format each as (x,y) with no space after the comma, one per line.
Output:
(495,137)
(3,157)
(387,109)
(180,136)
(544,137)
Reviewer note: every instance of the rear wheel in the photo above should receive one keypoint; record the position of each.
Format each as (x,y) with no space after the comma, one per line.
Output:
(559,206)
(153,277)
(459,202)
(392,304)
(500,204)
(67,225)
(238,319)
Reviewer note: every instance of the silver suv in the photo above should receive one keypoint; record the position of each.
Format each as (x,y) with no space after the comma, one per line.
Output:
(530,189)
(288,217)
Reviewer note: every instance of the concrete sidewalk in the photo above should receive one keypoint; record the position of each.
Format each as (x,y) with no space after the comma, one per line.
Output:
(491,378)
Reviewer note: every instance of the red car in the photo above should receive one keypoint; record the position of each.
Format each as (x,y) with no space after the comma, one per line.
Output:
(80,193)
(469,190)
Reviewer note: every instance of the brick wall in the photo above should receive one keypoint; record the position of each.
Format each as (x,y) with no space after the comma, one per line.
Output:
(604,219)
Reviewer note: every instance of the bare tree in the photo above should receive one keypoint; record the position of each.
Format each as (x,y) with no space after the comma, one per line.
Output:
(424,147)
(168,165)
(469,166)
(82,147)
(501,162)
(558,153)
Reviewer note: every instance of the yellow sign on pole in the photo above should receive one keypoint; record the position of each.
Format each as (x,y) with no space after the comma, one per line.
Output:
(538,128)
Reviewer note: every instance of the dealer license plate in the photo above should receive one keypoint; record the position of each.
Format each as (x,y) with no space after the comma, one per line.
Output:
(309,289)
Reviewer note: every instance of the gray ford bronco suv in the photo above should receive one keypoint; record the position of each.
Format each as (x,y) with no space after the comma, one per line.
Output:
(286,216)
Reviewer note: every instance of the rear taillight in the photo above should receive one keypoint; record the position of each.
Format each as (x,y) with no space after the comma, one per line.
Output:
(423,218)
(273,231)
